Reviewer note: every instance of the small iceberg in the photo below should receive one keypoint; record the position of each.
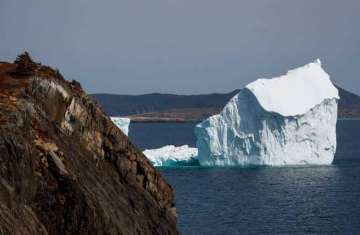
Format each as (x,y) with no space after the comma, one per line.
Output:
(172,156)
(122,123)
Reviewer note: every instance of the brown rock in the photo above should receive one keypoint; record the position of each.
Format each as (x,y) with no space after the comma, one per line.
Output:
(65,168)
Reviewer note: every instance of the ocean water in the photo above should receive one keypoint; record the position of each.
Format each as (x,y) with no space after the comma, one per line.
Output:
(264,200)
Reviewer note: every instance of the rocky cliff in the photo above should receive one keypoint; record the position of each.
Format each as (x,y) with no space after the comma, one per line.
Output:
(65,168)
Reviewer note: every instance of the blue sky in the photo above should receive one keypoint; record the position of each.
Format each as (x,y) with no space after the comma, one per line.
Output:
(183,46)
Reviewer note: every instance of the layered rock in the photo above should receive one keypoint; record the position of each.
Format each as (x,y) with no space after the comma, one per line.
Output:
(65,168)
(288,120)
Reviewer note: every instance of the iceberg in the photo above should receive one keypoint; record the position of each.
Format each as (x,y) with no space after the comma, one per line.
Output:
(286,120)
(171,155)
(122,123)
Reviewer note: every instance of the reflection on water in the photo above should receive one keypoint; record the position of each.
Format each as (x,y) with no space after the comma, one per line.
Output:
(267,200)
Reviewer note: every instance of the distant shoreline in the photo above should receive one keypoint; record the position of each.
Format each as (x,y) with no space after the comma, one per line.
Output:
(162,108)
(349,119)
(166,121)
(198,121)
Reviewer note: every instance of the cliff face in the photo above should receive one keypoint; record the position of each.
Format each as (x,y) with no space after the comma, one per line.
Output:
(65,168)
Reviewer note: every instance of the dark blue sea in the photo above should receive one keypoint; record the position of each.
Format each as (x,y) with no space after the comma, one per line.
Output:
(264,200)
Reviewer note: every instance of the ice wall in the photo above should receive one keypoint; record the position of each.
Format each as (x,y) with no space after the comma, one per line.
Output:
(287,120)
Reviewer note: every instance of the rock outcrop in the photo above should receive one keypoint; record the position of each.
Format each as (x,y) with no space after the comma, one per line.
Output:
(65,168)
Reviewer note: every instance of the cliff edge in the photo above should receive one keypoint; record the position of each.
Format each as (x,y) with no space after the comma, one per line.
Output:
(65,168)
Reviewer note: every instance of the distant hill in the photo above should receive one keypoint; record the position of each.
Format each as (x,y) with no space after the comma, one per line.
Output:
(169,107)
(349,104)
(124,105)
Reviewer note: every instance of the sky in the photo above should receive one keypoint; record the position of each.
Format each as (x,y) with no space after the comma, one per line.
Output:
(183,46)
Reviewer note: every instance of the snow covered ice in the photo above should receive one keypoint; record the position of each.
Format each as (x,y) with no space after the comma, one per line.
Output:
(287,120)
(171,155)
(122,123)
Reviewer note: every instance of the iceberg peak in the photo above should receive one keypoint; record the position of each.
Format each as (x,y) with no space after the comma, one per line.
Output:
(296,92)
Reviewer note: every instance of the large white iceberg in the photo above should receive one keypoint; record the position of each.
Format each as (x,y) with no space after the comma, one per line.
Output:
(122,123)
(171,155)
(287,120)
